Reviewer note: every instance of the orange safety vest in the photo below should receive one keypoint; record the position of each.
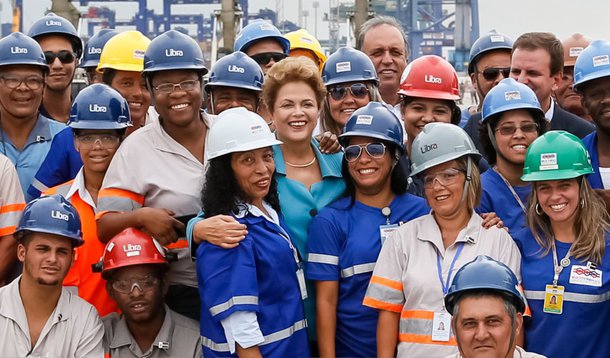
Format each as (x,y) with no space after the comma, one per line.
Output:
(91,286)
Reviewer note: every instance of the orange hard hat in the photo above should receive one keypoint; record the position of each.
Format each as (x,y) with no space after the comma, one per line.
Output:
(131,247)
(572,47)
(430,76)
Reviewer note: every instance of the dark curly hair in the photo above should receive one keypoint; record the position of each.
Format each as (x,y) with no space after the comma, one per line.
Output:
(488,149)
(398,180)
(221,194)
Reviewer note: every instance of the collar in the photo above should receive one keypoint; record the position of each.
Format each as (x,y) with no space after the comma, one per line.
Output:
(12,305)
(249,209)
(326,167)
(164,142)
(78,185)
(432,233)
(40,133)
(551,112)
(122,336)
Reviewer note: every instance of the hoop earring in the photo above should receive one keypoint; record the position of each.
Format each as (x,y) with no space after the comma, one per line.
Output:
(538,211)
(582,202)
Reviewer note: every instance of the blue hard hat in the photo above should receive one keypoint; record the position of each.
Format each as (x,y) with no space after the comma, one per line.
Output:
(258,30)
(99,106)
(173,50)
(52,24)
(348,65)
(51,215)
(592,63)
(485,273)
(95,45)
(236,70)
(488,42)
(375,120)
(20,49)
(507,96)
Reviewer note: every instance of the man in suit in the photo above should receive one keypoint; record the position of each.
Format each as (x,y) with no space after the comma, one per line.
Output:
(537,61)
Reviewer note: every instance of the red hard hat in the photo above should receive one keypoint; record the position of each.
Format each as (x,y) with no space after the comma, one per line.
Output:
(430,76)
(131,247)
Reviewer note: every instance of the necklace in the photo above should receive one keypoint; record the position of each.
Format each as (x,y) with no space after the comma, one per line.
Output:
(301,165)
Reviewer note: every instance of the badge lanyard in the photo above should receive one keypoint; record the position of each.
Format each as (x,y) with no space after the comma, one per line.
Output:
(297,258)
(558,267)
(446,284)
(510,187)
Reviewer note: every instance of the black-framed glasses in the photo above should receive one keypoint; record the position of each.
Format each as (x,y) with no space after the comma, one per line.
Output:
(12,82)
(144,284)
(525,128)
(445,177)
(64,56)
(492,73)
(374,150)
(358,90)
(265,57)
(187,86)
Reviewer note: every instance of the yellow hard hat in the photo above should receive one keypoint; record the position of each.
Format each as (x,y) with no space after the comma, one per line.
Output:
(124,52)
(301,39)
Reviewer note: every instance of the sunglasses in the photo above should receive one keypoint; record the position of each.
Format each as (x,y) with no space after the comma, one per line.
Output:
(358,90)
(63,56)
(265,58)
(374,150)
(492,73)
(445,177)
(510,130)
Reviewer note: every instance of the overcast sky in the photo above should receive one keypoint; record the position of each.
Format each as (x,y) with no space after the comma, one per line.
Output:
(562,17)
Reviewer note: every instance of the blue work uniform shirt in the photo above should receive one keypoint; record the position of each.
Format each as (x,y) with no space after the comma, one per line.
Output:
(497,197)
(344,243)
(28,160)
(581,330)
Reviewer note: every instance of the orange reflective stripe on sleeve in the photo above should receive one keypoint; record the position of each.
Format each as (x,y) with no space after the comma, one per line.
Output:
(114,192)
(180,244)
(414,314)
(386,282)
(424,339)
(9,230)
(371,302)
(11,208)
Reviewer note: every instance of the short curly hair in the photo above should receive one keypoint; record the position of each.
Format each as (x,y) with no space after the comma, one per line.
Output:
(292,69)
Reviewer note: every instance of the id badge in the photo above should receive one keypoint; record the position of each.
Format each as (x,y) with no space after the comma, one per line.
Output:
(441,327)
(584,275)
(301,279)
(385,231)
(553,299)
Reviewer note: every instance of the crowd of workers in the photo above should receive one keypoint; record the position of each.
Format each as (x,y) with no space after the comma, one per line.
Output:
(289,204)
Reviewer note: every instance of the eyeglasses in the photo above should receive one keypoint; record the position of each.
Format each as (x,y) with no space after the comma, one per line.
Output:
(374,150)
(144,284)
(105,140)
(510,130)
(445,177)
(187,86)
(265,57)
(64,56)
(492,73)
(358,90)
(32,82)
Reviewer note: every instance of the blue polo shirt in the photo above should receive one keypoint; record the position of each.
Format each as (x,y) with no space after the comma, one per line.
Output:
(344,243)
(497,197)
(582,328)
(61,164)
(258,276)
(595,179)
(28,160)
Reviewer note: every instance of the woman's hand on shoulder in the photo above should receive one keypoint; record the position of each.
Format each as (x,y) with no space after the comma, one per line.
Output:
(492,219)
(220,230)
(329,143)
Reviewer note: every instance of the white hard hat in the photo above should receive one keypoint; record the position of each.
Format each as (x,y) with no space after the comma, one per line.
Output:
(238,130)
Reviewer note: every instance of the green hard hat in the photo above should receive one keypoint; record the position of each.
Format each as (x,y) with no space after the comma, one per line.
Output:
(556,155)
